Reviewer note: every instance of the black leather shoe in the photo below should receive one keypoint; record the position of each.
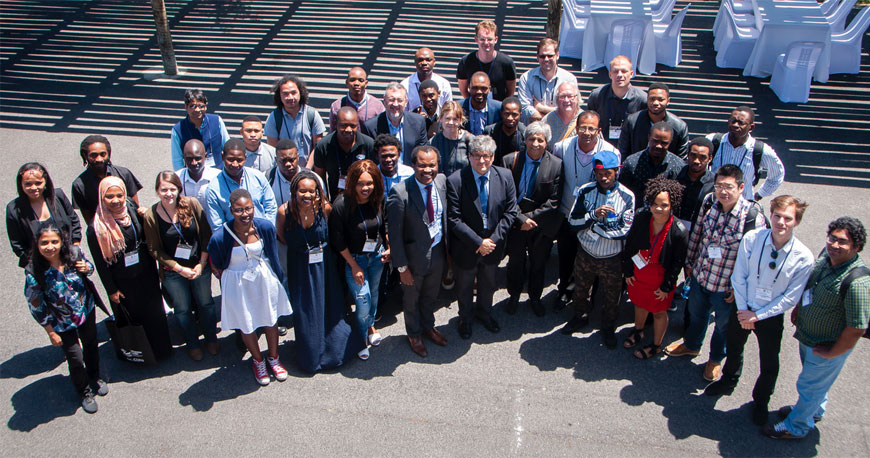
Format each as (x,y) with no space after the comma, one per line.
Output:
(512,305)
(609,336)
(464,330)
(759,413)
(490,324)
(538,307)
(282,331)
(561,302)
(575,324)
(721,388)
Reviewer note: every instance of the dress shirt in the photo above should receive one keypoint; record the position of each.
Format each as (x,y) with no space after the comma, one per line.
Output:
(530,167)
(533,86)
(403,172)
(412,85)
(217,197)
(359,105)
(752,272)
(191,188)
(397,131)
(263,159)
(742,157)
(435,226)
(486,187)
(177,149)
(578,167)
(476,120)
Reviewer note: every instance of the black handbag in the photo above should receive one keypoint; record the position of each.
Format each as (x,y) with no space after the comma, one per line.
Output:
(129,339)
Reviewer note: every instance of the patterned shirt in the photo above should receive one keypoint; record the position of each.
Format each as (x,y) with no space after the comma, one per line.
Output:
(714,242)
(65,302)
(742,157)
(602,237)
(639,169)
(823,320)
(561,131)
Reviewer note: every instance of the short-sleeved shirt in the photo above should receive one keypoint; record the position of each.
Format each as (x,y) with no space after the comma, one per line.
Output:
(297,129)
(826,317)
(329,156)
(86,188)
(500,70)
(263,159)
(412,85)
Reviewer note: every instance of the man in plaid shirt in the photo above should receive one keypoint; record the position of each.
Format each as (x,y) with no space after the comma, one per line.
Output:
(713,247)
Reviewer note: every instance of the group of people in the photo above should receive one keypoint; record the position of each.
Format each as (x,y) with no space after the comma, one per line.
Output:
(419,192)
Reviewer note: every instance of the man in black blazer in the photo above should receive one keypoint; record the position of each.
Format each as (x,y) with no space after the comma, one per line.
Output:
(537,175)
(409,128)
(481,207)
(480,110)
(417,227)
(636,128)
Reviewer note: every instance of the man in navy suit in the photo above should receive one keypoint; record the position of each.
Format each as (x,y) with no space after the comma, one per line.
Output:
(409,128)
(481,207)
(417,226)
(480,109)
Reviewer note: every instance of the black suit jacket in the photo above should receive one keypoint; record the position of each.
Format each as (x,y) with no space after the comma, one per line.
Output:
(542,203)
(634,136)
(22,223)
(408,223)
(413,131)
(493,112)
(465,216)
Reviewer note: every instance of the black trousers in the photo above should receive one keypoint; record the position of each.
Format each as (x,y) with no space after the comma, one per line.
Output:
(82,356)
(530,248)
(566,244)
(769,335)
(485,276)
(419,300)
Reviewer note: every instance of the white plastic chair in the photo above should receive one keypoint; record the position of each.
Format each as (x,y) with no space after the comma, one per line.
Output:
(669,44)
(662,15)
(828,5)
(837,18)
(846,46)
(573,27)
(722,21)
(624,39)
(735,44)
(793,71)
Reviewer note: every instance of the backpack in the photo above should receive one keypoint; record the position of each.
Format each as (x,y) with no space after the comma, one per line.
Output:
(853,275)
(278,115)
(751,215)
(757,150)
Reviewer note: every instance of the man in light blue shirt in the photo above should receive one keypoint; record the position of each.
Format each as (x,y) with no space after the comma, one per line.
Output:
(293,118)
(770,273)
(235,175)
(537,87)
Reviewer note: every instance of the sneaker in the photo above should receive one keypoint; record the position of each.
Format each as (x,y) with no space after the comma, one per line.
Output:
(712,371)
(260,372)
(778,431)
(101,387)
(783,412)
(277,369)
(678,349)
(89,404)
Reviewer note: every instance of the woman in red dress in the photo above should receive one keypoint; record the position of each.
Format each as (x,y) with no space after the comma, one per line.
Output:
(654,254)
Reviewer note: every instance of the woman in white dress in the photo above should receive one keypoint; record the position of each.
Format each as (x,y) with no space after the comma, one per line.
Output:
(244,257)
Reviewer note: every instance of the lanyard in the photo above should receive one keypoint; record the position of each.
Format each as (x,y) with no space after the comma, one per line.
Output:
(174,225)
(366,226)
(758,267)
(135,234)
(227,183)
(319,242)
(658,236)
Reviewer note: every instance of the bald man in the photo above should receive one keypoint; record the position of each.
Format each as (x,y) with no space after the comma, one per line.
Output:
(424,60)
(616,100)
(357,97)
(195,175)
(480,109)
(338,150)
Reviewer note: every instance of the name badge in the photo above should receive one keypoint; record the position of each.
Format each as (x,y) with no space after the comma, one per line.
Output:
(131,259)
(639,261)
(763,294)
(593,235)
(249,275)
(434,229)
(614,132)
(341,182)
(807,298)
(183,251)
(370,246)
(714,252)
(315,256)
(360,156)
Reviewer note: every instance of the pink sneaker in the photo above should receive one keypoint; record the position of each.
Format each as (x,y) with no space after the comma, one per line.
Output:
(277,368)
(260,372)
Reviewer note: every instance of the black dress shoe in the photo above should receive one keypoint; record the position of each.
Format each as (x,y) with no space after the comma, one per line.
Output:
(575,324)
(465,330)
(282,331)
(561,302)
(490,324)
(759,413)
(512,305)
(721,388)
(538,307)
(609,336)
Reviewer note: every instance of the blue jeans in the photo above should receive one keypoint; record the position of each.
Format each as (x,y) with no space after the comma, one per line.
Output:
(701,304)
(365,296)
(182,293)
(813,383)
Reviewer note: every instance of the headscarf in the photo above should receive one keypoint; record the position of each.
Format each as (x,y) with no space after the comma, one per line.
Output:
(107,224)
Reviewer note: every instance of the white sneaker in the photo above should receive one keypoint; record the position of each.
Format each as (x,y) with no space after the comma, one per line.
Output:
(260,372)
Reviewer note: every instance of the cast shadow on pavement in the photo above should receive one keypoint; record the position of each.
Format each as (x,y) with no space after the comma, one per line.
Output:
(32,362)
(227,382)
(42,402)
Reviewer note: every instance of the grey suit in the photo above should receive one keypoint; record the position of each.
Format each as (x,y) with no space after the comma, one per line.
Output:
(411,246)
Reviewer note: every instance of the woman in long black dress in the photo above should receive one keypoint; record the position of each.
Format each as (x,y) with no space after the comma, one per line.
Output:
(128,272)
(323,337)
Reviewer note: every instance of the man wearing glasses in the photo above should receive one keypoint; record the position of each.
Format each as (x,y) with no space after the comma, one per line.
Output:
(537,87)
(207,128)
(769,275)
(713,245)
(497,65)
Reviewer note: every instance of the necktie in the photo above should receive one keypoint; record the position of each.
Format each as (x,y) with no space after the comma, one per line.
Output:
(430,210)
(484,196)
(531,181)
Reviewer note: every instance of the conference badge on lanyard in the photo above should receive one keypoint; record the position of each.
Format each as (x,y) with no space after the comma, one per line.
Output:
(315,255)
(183,251)
(131,259)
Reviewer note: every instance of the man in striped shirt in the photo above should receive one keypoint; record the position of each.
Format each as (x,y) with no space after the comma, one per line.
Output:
(604,211)
(713,247)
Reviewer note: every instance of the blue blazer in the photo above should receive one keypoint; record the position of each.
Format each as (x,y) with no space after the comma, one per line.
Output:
(493,112)
(220,247)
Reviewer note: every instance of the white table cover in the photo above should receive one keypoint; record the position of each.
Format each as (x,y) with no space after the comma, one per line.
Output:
(602,13)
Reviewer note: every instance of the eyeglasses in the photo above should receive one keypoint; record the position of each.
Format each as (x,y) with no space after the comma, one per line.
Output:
(546,56)
(587,130)
(836,240)
(478,157)
(241,210)
(724,187)
(198,106)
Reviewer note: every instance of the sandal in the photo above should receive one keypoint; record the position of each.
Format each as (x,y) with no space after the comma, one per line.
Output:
(648,351)
(633,339)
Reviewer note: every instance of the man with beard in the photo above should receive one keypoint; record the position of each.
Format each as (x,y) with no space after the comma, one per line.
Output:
(563,120)
(635,129)
(509,133)
(409,128)
(424,60)
(287,159)
(367,107)
(260,156)
(616,100)
(479,109)
(654,161)
(430,107)
(537,87)
(96,153)
(195,176)
(234,176)
(338,150)
(206,127)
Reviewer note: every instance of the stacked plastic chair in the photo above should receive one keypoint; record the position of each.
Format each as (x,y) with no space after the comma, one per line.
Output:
(838,16)
(846,46)
(793,72)
(624,39)
(735,42)
(669,44)
(575,16)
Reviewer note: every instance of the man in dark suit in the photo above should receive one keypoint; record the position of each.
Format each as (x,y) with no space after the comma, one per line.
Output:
(409,128)
(480,110)
(417,226)
(481,207)
(537,176)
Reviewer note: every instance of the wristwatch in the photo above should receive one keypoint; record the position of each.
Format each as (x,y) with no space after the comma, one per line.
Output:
(402,269)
